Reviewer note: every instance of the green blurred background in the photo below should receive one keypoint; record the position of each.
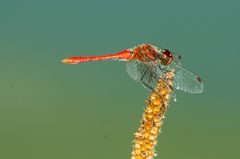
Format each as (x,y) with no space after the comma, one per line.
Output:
(49,110)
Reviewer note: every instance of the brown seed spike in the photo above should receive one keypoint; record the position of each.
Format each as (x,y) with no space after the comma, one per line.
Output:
(150,125)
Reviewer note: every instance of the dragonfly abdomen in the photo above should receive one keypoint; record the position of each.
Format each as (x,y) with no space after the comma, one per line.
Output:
(123,55)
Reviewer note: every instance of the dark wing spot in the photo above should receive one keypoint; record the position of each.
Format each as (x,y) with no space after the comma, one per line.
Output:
(199,79)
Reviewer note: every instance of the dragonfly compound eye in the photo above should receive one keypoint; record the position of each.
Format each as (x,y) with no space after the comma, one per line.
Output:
(167,57)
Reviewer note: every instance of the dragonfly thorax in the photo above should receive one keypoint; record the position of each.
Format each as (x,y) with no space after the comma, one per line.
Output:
(150,53)
(146,53)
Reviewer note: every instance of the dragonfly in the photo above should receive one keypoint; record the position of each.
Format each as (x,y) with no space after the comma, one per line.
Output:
(146,63)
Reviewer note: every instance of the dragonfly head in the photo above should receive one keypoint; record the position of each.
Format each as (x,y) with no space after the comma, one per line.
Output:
(166,57)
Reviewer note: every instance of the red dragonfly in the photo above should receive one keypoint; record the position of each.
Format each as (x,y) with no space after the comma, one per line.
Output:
(146,63)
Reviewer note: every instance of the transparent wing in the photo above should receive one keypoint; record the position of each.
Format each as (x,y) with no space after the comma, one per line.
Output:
(147,74)
(177,59)
(187,81)
(135,69)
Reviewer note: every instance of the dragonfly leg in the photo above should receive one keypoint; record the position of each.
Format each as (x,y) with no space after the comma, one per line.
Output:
(154,77)
(143,82)
(162,69)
